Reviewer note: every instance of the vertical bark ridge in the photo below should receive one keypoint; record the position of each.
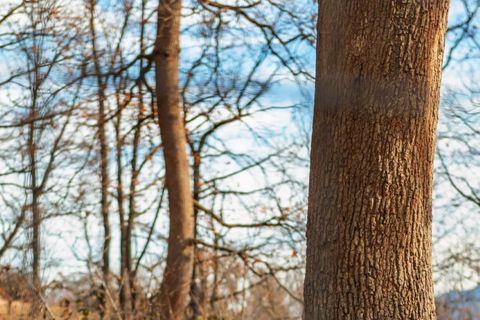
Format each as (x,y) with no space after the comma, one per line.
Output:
(369,222)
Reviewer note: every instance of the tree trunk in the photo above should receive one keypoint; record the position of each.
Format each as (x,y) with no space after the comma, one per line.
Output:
(35,205)
(36,244)
(104,195)
(104,176)
(369,222)
(125,292)
(132,211)
(197,296)
(178,271)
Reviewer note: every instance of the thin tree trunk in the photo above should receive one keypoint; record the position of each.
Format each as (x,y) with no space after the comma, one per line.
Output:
(36,241)
(125,292)
(216,275)
(196,294)
(36,224)
(10,301)
(104,176)
(35,192)
(135,171)
(132,212)
(369,221)
(104,192)
(178,271)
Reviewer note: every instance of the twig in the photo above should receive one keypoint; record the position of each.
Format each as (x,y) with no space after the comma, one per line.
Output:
(114,305)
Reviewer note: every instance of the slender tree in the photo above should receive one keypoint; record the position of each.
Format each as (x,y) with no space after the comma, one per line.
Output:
(104,151)
(369,220)
(179,265)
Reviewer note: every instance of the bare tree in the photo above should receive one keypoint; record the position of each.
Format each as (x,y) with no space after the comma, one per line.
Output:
(40,120)
(220,97)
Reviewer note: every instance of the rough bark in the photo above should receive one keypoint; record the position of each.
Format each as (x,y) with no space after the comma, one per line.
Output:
(174,289)
(369,221)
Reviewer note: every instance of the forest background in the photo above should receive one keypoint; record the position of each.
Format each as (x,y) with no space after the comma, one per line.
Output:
(83,204)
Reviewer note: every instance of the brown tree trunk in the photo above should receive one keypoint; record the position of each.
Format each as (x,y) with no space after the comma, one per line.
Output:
(178,271)
(104,176)
(35,205)
(135,172)
(125,300)
(369,222)
(36,241)
(104,192)
(36,244)
(197,297)
(132,211)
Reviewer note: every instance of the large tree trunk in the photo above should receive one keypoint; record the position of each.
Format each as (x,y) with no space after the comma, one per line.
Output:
(369,221)
(178,271)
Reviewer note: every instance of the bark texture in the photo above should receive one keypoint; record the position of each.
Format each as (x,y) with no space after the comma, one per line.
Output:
(369,221)
(175,286)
